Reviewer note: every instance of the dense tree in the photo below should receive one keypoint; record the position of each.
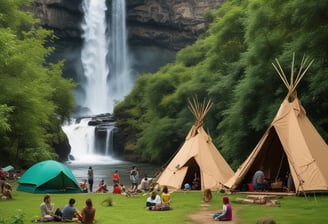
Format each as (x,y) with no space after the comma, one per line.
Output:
(274,30)
(232,65)
(34,98)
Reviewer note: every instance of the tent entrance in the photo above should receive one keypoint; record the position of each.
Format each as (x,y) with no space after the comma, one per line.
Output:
(193,169)
(273,159)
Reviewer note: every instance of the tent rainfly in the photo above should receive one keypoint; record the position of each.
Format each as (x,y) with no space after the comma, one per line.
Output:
(48,177)
(291,145)
(198,155)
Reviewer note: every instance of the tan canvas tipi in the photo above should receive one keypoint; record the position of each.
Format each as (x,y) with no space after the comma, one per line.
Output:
(198,155)
(291,144)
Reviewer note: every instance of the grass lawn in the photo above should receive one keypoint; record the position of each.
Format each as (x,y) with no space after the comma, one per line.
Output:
(131,210)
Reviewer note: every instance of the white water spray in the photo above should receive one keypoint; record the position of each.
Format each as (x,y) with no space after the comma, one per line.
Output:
(81,138)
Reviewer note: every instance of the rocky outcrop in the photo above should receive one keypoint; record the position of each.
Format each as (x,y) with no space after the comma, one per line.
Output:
(170,24)
(62,16)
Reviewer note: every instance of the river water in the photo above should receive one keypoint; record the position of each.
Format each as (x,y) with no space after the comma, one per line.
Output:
(104,169)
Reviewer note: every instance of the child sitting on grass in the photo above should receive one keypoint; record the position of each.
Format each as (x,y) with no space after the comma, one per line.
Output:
(226,213)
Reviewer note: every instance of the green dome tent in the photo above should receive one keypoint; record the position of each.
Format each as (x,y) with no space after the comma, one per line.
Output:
(48,177)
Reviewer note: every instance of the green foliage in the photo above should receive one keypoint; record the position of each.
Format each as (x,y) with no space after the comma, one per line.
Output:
(193,54)
(209,16)
(17,218)
(4,114)
(107,202)
(35,99)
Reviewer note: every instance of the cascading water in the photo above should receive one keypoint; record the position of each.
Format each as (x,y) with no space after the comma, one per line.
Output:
(109,142)
(106,70)
(81,137)
(120,80)
(94,56)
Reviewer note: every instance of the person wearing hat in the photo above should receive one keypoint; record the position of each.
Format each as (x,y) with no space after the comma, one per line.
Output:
(226,213)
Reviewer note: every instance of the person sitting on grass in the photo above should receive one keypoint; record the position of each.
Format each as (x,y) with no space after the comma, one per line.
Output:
(103,187)
(6,191)
(70,213)
(166,198)
(88,213)
(154,202)
(226,213)
(144,184)
(117,189)
(84,186)
(47,209)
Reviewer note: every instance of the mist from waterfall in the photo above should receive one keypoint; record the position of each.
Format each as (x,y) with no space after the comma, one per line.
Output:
(106,74)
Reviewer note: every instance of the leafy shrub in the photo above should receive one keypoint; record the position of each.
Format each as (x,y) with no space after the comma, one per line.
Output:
(107,202)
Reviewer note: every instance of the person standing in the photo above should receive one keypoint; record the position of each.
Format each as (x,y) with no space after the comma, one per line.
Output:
(134,179)
(90,178)
(116,177)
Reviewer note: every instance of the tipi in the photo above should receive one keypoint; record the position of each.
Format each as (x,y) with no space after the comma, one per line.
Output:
(291,146)
(197,156)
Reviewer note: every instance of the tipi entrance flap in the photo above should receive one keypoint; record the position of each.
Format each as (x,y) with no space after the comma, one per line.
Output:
(173,178)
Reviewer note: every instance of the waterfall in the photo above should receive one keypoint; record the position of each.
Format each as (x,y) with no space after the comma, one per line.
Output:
(104,56)
(94,56)
(120,80)
(81,138)
(109,142)
(106,74)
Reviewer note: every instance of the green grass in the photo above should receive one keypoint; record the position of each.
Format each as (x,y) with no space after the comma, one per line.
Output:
(131,209)
(292,210)
(124,210)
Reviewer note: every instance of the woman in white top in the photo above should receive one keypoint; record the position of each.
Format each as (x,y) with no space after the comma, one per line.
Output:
(47,209)
(154,202)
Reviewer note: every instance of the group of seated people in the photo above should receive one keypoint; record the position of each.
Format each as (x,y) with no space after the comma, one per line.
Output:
(103,187)
(156,202)
(68,214)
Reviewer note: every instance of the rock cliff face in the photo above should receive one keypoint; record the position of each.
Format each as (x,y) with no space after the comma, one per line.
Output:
(62,16)
(168,24)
